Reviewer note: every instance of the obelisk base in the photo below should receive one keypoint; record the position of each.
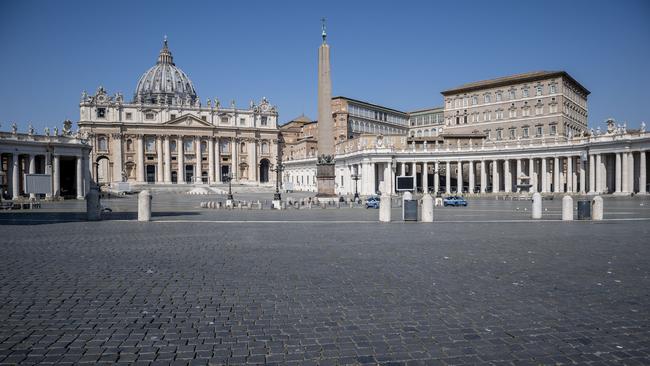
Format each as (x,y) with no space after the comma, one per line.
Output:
(325,179)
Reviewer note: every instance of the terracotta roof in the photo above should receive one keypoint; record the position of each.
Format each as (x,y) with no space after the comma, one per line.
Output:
(507,80)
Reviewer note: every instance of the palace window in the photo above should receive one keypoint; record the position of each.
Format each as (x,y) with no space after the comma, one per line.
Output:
(512,134)
(148,116)
(224,120)
(488,99)
(538,90)
(539,109)
(513,95)
(524,93)
(499,135)
(498,97)
(474,100)
(513,113)
(539,131)
(499,114)
(553,129)
(101,112)
(552,89)
(242,121)
(525,132)
(553,108)
(129,115)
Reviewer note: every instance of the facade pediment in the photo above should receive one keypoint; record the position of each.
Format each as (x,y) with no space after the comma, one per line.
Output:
(187,120)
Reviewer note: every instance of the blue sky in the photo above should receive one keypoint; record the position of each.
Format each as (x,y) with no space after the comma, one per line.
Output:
(397,54)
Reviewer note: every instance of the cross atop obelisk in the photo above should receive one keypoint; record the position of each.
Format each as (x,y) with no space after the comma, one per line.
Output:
(325,166)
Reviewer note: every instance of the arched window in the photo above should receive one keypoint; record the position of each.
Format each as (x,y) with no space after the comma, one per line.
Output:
(102,144)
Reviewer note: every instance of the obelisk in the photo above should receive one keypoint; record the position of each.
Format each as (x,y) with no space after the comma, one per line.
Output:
(325,174)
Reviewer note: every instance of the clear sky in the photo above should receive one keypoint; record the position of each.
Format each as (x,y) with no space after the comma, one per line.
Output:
(399,54)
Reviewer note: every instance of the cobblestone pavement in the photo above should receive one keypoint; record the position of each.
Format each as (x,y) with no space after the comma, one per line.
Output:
(326,293)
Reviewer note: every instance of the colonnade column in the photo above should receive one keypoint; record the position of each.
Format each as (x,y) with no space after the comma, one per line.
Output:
(583,178)
(459,178)
(642,173)
(483,176)
(556,175)
(56,164)
(233,145)
(79,175)
(471,177)
(402,169)
(436,178)
(210,143)
(592,174)
(448,178)
(414,172)
(160,156)
(495,176)
(180,160)
(630,167)
(167,168)
(507,177)
(517,175)
(544,176)
(569,174)
(15,177)
(140,156)
(425,177)
(32,170)
(532,178)
(217,165)
(618,179)
(387,178)
(599,173)
(252,156)
(372,175)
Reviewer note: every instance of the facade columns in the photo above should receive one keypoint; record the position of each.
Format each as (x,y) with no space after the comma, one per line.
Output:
(210,143)
(167,168)
(569,174)
(618,169)
(583,178)
(117,158)
(414,173)
(459,178)
(507,176)
(79,176)
(448,178)
(234,171)
(160,176)
(197,160)
(180,160)
(140,156)
(388,172)
(217,148)
(436,178)
(483,177)
(592,174)
(472,184)
(544,176)
(425,177)
(56,164)
(252,157)
(532,177)
(402,169)
(15,176)
(599,174)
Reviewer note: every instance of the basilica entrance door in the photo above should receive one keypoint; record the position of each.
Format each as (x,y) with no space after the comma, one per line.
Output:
(151,174)
(189,173)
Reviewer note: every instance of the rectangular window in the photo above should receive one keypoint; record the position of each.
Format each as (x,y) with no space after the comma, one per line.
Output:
(553,129)
(512,134)
(512,95)
(487,98)
(172,116)
(204,118)
(499,137)
(525,93)
(148,116)
(101,112)
(474,100)
(525,132)
(552,91)
(538,110)
(513,113)
(538,90)
(242,121)
(498,97)
(539,131)
(224,120)
(264,120)
(129,115)
(553,108)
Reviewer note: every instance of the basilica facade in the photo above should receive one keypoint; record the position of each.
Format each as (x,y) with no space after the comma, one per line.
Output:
(165,135)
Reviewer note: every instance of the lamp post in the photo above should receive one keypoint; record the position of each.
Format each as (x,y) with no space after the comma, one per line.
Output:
(228,178)
(355,177)
(279,167)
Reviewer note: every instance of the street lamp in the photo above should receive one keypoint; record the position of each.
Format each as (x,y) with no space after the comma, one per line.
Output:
(279,167)
(228,178)
(355,177)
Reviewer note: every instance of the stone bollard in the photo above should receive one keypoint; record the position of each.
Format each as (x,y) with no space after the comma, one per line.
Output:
(144,206)
(338,204)
(537,205)
(93,206)
(276,204)
(385,208)
(597,208)
(567,208)
(309,205)
(427,208)
(323,204)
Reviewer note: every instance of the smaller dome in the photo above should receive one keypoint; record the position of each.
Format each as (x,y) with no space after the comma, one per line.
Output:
(165,83)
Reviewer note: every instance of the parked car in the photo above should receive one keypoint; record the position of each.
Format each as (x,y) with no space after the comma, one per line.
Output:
(372,202)
(454,201)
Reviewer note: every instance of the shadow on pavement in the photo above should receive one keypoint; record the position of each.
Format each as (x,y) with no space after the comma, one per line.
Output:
(41,218)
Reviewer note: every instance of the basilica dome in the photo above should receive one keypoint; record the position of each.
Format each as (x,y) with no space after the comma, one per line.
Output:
(165,83)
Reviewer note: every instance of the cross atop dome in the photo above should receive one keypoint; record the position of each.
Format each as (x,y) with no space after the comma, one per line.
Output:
(165,56)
